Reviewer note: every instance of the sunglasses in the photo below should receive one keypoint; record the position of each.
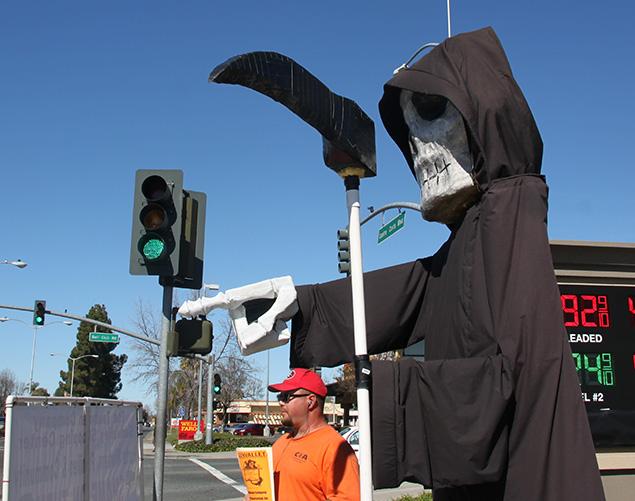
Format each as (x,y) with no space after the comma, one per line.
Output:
(287,397)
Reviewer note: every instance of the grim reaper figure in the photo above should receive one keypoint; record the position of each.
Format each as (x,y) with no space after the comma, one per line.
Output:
(494,412)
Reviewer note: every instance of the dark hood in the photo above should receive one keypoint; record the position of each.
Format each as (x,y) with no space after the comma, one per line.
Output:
(472,71)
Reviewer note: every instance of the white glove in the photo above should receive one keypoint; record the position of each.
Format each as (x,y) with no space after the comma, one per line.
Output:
(270,329)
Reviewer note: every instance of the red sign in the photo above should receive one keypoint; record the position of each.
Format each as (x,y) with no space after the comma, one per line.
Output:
(187,428)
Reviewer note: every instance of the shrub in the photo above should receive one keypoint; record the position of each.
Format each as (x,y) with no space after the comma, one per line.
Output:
(223,442)
(426,496)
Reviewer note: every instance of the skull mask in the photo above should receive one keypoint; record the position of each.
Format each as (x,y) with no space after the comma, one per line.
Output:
(441,156)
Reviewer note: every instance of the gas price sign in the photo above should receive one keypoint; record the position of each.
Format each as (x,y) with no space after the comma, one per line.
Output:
(600,323)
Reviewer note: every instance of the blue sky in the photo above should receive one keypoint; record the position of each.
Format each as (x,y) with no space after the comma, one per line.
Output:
(90,92)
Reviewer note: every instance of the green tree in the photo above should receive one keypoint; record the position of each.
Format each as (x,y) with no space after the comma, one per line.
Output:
(94,377)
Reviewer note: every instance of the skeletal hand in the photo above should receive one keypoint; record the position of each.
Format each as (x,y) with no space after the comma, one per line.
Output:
(258,312)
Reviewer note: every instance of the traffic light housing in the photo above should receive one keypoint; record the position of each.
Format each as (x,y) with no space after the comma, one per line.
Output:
(192,244)
(156,223)
(343,251)
(217,384)
(39,312)
(190,337)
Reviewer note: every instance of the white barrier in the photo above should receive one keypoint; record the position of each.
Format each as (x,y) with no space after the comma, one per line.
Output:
(72,449)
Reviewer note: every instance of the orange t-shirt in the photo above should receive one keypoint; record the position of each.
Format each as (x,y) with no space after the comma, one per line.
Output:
(315,467)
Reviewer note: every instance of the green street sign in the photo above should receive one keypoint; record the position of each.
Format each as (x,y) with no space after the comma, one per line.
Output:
(103,337)
(392,227)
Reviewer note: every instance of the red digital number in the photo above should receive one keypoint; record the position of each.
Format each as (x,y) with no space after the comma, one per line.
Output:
(631,307)
(590,311)
(570,310)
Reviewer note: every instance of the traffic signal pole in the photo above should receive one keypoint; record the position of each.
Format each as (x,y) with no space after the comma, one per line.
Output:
(209,424)
(162,398)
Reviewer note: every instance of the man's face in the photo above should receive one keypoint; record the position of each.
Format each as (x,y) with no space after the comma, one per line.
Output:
(294,407)
(440,154)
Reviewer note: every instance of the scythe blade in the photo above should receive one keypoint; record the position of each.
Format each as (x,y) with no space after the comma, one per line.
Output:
(348,133)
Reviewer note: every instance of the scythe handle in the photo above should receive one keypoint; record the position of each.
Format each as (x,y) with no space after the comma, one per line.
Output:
(361,351)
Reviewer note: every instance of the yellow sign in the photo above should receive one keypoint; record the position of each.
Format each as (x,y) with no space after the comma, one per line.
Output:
(256,465)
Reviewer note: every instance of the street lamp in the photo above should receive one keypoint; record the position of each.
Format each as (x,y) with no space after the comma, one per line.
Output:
(210,287)
(75,359)
(35,328)
(18,263)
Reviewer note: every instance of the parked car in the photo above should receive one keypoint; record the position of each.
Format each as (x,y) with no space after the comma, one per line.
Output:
(250,429)
(233,427)
(351,435)
(1,426)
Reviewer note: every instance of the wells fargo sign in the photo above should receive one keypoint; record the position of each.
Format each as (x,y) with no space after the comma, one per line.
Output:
(187,428)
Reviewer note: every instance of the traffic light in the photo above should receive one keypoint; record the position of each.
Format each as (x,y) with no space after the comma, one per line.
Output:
(156,223)
(343,251)
(39,312)
(217,384)
(190,271)
(190,337)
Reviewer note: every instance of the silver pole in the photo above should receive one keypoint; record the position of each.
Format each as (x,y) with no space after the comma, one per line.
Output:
(333,409)
(267,429)
(359,330)
(449,21)
(162,397)
(359,333)
(210,401)
(72,375)
(32,361)
(199,434)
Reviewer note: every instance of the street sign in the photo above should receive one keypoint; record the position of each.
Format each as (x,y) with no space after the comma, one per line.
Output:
(392,227)
(103,337)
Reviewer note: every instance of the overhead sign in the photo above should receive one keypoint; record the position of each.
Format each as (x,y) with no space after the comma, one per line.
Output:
(392,227)
(103,337)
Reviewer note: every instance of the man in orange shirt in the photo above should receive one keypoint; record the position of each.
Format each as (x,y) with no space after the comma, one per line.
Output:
(314,462)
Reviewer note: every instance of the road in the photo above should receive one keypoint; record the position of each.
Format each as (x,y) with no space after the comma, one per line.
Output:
(187,479)
(201,477)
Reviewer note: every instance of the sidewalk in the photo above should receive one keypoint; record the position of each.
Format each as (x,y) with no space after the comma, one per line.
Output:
(383,494)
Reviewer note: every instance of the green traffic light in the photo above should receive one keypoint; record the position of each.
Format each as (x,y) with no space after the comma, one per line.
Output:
(38,320)
(153,249)
(216,389)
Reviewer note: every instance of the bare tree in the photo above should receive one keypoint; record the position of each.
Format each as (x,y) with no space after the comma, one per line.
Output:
(240,377)
(9,385)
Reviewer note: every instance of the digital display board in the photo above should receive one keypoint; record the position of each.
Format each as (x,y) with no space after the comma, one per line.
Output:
(600,324)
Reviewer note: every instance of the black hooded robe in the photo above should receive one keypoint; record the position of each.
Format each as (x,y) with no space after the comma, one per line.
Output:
(494,412)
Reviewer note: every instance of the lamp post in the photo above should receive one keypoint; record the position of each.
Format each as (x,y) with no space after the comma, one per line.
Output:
(18,263)
(75,359)
(6,319)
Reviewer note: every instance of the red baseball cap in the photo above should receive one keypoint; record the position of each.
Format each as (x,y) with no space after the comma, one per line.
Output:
(301,378)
